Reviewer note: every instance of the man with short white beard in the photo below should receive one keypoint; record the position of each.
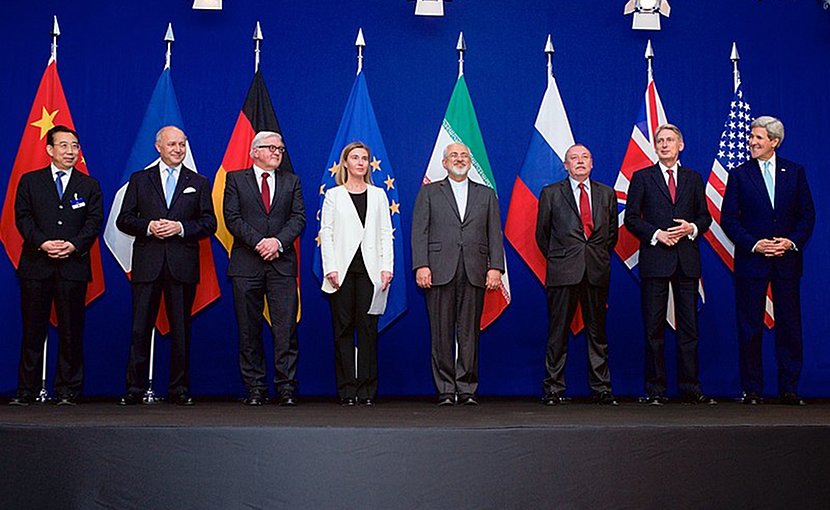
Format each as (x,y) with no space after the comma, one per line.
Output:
(457,253)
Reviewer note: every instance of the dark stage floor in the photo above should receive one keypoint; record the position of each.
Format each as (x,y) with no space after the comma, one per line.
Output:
(506,453)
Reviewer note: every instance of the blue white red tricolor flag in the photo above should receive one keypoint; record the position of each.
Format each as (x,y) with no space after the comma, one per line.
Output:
(733,150)
(543,164)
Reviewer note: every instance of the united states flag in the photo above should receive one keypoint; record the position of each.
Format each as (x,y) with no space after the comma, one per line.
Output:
(733,150)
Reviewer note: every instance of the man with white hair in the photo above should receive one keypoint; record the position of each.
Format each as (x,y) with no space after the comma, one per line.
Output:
(768,213)
(264,212)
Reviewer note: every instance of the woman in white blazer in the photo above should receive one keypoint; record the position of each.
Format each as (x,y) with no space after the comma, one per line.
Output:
(356,246)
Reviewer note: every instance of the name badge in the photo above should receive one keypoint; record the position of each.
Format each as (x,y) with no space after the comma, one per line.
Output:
(77,202)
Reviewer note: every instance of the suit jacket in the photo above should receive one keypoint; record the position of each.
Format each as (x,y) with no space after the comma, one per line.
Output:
(649,208)
(341,233)
(41,216)
(191,205)
(748,216)
(247,221)
(439,237)
(561,238)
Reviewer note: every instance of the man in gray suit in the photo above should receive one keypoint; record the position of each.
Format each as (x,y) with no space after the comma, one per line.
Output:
(457,252)
(576,230)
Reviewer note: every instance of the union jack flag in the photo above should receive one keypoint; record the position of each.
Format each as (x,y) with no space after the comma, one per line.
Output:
(733,150)
(641,154)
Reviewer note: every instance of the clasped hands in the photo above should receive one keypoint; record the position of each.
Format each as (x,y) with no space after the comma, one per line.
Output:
(268,248)
(164,228)
(423,277)
(57,249)
(385,279)
(673,235)
(774,247)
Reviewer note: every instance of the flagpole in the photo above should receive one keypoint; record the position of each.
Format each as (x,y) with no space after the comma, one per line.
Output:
(549,53)
(56,31)
(461,47)
(168,38)
(736,75)
(257,40)
(649,56)
(360,42)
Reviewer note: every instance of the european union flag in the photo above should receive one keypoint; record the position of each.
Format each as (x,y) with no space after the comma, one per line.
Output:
(359,123)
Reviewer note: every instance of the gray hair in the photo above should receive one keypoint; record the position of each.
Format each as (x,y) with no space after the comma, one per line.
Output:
(263,135)
(161,132)
(455,143)
(774,127)
(671,127)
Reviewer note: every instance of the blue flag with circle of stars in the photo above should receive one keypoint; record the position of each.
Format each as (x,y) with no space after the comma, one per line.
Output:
(359,123)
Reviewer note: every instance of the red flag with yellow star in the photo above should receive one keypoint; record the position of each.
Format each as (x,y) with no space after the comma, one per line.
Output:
(49,110)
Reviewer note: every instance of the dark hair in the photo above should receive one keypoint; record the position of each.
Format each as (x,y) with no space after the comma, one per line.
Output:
(50,135)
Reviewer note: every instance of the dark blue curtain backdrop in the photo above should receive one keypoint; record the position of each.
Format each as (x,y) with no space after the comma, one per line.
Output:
(111,54)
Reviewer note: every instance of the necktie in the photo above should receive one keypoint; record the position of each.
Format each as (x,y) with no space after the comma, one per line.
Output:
(266,193)
(770,184)
(59,183)
(585,211)
(672,185)
(170,186)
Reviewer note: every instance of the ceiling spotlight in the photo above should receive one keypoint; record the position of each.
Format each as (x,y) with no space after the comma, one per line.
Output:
(207,5)
(429,7)
(647,13)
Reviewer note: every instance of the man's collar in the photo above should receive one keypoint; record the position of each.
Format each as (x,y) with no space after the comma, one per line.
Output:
(55,170)
(663,167)
(163,166)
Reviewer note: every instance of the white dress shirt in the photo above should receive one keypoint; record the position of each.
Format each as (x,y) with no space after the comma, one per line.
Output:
(459,190)
(664,170)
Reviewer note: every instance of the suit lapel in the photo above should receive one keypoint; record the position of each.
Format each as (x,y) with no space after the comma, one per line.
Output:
(446,190)
(181,183)
(757,180)
(278,184)
(657,176)
(783,183)
(155,178)
(568,196)
(48,184)
(595,207)
(250,178)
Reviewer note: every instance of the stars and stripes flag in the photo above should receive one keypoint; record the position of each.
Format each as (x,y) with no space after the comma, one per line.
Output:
(460,125)
(49,109)
(257,115)
(163,110)
(360,124)
(641,154)
(733,150)
(543,164)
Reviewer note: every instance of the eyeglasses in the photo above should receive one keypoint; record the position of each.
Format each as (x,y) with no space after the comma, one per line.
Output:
(66,146)
(272,148)
(457,155)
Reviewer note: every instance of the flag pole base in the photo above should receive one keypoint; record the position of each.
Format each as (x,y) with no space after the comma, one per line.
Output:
(43,396)
(150,397)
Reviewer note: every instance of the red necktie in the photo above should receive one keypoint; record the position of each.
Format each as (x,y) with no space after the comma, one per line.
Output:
(672,185)
(585,211)
(266,193)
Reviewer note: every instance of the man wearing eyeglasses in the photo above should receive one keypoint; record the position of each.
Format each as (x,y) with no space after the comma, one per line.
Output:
(264,212)
(168,208)
(58,212)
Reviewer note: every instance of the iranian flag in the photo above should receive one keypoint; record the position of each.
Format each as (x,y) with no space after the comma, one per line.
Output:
(460,125)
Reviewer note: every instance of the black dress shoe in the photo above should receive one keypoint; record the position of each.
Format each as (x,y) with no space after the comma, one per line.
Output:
(368,402)
(791,399)
(288,400)
(654,400)
(131,399)
(751,399)
(446,401)
(606,398)
(347,402)
(555,399)
(22,401)
(183,399)
(699,398)
(254,398)
(467,400)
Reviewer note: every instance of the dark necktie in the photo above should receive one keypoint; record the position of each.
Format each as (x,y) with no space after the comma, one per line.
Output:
(266,193)
(59,183)
(672,185)
(585,211)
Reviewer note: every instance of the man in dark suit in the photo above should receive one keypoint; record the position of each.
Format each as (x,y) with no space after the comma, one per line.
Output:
(576,229)
(457,252)
(264,212)
(58,211)
(768,213)
(666,210)
(168,208)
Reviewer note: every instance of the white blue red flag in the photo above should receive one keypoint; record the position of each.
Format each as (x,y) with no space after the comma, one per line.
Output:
(163,110)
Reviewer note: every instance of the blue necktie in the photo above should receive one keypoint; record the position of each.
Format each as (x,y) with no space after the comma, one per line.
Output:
(770,184)
(170,187)
(59,183)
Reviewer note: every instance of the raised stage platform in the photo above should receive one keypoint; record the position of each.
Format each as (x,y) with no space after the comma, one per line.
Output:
(412,454)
